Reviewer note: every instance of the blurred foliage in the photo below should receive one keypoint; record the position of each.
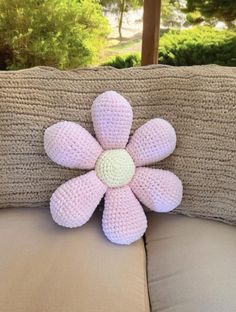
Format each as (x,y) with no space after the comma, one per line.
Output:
(194,18)
(59,33)
(198,46)
(125,61)
(171,13)
(170,10)
(223,10)
(119,7)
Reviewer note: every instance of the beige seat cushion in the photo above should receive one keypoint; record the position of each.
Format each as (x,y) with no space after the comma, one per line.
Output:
(44,268)
(191,264)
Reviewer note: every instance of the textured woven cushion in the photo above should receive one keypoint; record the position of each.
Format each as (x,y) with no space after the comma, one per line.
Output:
(198,101)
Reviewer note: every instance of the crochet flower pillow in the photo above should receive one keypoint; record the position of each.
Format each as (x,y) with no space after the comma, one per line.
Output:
(116,169)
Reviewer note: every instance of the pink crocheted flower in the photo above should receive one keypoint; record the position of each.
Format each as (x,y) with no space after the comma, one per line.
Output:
(116,169)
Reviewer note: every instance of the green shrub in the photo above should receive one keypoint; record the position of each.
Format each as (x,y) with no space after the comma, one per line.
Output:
(198,46)
(125,61)
(60,33)
(194,18)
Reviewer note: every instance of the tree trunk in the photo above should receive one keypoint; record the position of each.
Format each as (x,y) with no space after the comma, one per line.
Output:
(122,9)
(6,56)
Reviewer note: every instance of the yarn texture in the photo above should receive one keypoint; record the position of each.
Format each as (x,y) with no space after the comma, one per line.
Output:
(117,169)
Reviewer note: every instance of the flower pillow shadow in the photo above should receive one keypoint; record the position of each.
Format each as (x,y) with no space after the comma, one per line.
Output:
(116,169)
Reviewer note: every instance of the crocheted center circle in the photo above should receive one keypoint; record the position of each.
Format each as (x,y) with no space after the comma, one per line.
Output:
(115,167)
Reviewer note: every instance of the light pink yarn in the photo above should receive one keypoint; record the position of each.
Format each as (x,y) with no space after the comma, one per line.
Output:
(153,141)
(112,120)
(159,190)
(73,203)
(123,220)
(70,145)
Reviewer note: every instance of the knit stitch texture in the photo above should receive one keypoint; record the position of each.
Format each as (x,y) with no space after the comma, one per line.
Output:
(68,144)
(115,167)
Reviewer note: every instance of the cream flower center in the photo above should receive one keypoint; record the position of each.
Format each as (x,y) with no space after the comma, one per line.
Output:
(115,167)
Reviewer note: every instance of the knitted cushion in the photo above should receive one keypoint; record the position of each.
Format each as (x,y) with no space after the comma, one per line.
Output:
(68,144)
(199,101)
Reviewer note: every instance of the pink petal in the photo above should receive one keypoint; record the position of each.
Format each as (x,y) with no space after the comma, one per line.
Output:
(152,142)
(159,190)
(74,202)
(112,119)
(70,145)
(123,218)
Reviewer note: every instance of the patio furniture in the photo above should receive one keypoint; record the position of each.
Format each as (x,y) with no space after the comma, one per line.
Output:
(185,262)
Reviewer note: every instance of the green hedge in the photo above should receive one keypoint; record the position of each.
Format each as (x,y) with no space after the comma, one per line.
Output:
(198,46)
(124,61)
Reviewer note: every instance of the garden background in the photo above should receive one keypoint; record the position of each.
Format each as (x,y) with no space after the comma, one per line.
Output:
(73,33)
